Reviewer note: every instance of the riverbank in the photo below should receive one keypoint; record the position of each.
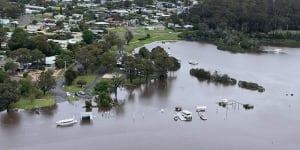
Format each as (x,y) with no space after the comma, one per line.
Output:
(238,42)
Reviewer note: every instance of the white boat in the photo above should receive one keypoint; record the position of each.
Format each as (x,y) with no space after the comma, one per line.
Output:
(277,51)
(192,62)
(201,115)
(200,108)
(66,122)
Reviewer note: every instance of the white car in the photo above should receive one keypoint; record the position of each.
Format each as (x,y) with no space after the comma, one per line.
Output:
(68,94)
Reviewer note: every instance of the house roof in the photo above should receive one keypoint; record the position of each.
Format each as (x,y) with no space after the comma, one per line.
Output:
(50,60)
(101,23)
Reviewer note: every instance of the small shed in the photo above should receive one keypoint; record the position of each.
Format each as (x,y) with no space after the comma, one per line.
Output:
(86,116)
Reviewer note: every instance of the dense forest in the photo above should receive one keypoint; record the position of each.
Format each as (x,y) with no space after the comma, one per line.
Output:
(243,25)
(246,15)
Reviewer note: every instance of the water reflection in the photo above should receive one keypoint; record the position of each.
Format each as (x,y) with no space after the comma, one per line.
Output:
(120,110)
(48,112)
(10,119)
(86,122)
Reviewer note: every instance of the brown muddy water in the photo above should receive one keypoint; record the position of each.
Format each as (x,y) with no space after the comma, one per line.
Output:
(138,124)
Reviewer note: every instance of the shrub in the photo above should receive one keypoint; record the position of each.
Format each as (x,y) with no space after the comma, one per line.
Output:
(38,93)
(81,83)
(248,106)
(88,104)
(251,86)
(104,101)
(25,74)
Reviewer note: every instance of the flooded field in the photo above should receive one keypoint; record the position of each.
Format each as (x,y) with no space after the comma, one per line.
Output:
(140,123)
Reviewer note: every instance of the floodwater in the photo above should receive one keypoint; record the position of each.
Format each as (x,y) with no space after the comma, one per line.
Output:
(139,123)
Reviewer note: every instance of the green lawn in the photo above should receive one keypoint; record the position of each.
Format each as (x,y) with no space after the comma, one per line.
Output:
(156,35)
(75,87)
(47,100)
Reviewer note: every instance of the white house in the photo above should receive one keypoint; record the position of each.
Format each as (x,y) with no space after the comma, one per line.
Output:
(29,9)
(50,62)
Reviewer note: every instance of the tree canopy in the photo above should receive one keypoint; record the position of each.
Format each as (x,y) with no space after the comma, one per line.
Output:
(87,36)
(19,39)
(9,93)
(246,15)
(46,81)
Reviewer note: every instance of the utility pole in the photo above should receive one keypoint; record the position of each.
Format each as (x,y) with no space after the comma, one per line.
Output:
(65,65)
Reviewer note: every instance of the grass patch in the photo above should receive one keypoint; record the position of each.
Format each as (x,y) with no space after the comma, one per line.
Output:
(156,35)
(75,87)
(73,98)
(26,103)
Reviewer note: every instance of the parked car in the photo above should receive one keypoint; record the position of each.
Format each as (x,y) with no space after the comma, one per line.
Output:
(80,93)
(68,94)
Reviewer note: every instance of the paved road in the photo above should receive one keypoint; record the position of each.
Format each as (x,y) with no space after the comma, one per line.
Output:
(90,87)
(58,92)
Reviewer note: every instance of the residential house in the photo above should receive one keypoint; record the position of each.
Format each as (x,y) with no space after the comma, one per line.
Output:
(50,63)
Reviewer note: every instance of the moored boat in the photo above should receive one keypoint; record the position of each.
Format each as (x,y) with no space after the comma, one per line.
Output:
(187,115)
(66,122)
(201,115)
(192,62)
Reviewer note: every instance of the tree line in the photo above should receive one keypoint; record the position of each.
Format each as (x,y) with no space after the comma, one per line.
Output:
(204,75)
(246,16)
(242,26)
(11,91)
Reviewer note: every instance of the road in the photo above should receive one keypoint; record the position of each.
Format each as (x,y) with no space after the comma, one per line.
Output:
(60,94)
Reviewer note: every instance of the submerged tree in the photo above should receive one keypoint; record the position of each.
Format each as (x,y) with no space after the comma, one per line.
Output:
(103,89)
(117,81)
(9,93)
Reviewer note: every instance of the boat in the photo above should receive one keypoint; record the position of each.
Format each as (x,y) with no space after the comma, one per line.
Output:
(66,122)
(192,62)
(277,51)
(201,108)
(186,114)
(201,115)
